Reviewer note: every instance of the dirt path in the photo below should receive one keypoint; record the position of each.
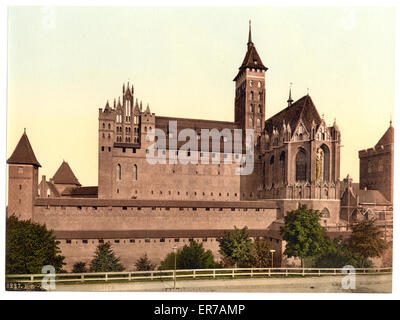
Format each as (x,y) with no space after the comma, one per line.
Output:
(327,284)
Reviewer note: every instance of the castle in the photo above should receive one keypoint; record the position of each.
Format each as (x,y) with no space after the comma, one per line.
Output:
(149,208)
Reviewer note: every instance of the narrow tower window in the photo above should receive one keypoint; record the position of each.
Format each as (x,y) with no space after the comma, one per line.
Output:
(119,172)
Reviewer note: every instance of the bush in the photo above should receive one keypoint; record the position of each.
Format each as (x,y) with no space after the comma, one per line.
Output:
(79,267)
(193,256)
(30,247)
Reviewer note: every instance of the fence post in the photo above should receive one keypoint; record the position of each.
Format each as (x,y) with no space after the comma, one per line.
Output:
(251,273)
(269,271)
(194,274)
(32,278)
(286,273)
(106,276)
(151,275)
(233,273)
(82,278)
(303,272)
(319,272)
(214,273)
(130,276)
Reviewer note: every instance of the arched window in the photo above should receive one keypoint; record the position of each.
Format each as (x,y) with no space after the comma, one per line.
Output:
(109,126)
(104,125)
(325,213)
(119,172)
(258,122)
(251,95)
(301,166)
(135,172)
(322,163)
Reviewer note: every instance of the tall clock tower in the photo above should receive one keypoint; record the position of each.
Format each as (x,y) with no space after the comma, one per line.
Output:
(250,91)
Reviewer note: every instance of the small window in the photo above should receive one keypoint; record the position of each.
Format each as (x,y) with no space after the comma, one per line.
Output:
(162,240)
(68,241)
(116,241)
(132,240)
(176,239)
(84,241)
(124,208)
(147,240)
(101,241)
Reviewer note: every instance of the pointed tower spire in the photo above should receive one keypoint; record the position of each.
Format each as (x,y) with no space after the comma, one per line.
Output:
(251,60)
(290,100)
(250,42)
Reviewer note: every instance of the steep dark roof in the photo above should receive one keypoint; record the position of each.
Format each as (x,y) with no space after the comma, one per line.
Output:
(64,175)
(23,153)
(81,192)
(251,60)
(303,109)
(387,138)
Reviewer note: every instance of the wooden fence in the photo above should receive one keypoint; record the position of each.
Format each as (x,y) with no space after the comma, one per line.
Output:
(191,274)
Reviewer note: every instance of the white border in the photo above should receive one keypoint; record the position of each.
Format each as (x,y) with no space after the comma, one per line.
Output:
(188,296)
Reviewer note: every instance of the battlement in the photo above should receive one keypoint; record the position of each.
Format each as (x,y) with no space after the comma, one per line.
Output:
(377,150)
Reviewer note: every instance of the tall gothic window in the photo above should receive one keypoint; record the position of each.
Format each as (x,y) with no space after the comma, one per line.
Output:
(282,164)
(301,166)
(271,170)
(322,163)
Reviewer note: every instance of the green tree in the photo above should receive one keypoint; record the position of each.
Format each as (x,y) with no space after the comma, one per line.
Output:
(169,262)
(261,255)
(105,260)
(144,263)
(30,247)
(192,256)
(236,247)
(366,240)
(79,267)
(304,234)
(195,256)
(338,255)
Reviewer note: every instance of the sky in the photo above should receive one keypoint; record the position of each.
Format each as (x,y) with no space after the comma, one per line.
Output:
(64,63)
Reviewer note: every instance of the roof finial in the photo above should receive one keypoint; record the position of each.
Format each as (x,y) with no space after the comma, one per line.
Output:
(290,100)
(308,91)
(390,119)
(250,41)
(25,128)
